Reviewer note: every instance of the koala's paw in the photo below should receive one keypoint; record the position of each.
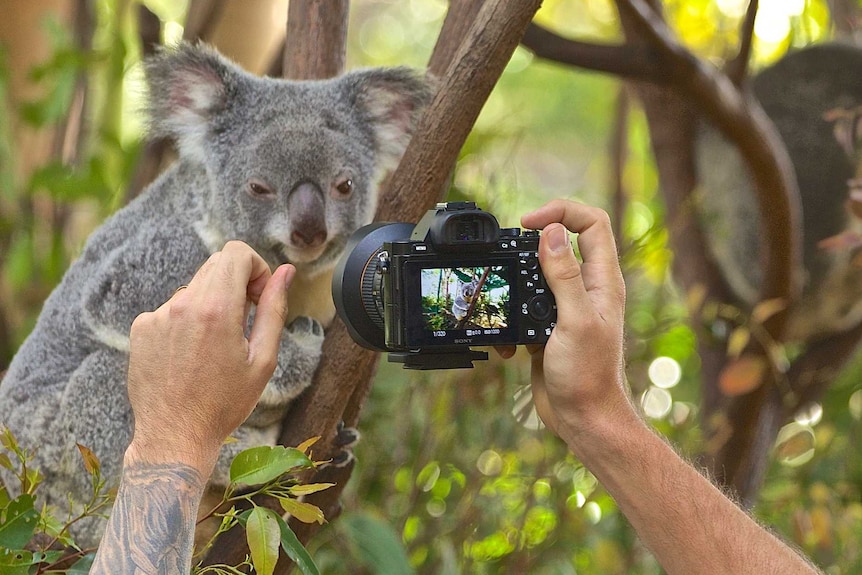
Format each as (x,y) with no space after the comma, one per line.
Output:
(305,327)
(345,439)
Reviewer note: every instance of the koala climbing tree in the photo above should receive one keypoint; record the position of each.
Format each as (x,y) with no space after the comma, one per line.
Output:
(290,168)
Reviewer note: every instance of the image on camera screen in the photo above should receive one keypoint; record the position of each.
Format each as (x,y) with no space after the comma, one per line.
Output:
(465,298)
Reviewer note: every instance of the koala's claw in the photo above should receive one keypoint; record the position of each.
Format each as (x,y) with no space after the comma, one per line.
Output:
(346,437)
(304,325)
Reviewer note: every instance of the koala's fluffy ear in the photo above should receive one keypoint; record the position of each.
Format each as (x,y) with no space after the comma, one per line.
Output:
(188,87)
(392,100)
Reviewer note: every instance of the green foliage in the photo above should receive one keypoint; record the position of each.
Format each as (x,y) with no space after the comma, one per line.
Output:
(34,540)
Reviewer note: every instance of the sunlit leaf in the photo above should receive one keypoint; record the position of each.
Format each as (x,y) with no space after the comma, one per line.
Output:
(305,445)
(294,549)
(261,464)
(91,462)
(263,535)
(8,440)
(742,375)
(305,512)
(299,490)
(768,308)
(18,522)
(737,341)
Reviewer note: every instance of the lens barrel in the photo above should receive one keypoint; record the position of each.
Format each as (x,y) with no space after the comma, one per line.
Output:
(356,282)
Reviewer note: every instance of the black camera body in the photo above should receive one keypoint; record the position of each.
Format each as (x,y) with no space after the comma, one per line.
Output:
(428,292)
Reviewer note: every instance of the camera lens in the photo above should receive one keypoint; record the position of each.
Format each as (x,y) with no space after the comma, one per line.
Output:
(356,282)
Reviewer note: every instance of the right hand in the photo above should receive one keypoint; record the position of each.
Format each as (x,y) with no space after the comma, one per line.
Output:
(577,377)
(194,376)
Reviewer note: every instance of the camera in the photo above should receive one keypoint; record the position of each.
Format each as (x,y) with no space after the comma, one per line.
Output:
(426,293)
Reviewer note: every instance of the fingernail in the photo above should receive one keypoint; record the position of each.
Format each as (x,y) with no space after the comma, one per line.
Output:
(558,238)
(288,276)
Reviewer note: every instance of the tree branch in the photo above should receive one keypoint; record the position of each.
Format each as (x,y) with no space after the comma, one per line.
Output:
(624,60)
(737,69)
(315,46)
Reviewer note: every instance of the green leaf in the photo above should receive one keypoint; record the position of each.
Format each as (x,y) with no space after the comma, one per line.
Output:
(294,549)
(378,546)
(18,523)
(15,562)
(263,535)
(82,566)
(262,464)
(8,440)
(305,512)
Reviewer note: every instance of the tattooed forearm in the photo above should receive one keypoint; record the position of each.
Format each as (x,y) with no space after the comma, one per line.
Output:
(151,529)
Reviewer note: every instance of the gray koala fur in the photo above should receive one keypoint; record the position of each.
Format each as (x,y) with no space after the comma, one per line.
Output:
(261,160)
(797,94)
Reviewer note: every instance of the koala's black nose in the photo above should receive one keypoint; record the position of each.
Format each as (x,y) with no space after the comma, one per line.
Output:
(307,213)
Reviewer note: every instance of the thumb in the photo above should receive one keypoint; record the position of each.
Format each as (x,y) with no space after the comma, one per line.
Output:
(562,271)
(269,319)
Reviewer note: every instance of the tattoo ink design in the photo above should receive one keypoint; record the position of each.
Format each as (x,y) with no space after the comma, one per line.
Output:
(151,528)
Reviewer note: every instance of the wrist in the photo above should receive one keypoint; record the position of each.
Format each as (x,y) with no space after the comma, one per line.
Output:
(594,434)
(141,451)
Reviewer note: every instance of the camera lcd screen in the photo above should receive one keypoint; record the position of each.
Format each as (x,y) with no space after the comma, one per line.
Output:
(463,304)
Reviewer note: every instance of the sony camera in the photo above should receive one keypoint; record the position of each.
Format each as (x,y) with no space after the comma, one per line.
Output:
(427,293)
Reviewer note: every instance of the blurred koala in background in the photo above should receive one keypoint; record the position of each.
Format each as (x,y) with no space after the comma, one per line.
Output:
(814,98)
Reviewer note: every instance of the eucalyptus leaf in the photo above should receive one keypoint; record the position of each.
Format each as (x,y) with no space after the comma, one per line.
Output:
(263,534)
(262,464)
(15,562)
(82,565)
(294,549)
(18,522)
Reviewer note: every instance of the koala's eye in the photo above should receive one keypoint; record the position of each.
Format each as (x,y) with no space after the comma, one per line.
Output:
(345,187)
(259,189)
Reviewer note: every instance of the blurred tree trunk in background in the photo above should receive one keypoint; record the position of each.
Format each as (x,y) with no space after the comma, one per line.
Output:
(28,39)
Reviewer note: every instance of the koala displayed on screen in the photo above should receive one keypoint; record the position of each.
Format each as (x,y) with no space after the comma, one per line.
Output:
(290,167)
(814,98)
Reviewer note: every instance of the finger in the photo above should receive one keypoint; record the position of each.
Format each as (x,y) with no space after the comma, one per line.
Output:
(562,271)
(593,226)
(237,272)
(270,317)
(505,351)
(601,269)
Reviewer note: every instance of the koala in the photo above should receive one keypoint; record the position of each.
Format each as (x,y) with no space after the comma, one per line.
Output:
(292,168)
(813,96)
(463,299)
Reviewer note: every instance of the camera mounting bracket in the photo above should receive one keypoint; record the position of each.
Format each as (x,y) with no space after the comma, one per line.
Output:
(456,359)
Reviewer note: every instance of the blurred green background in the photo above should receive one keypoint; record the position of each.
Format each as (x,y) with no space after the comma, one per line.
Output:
(453,471)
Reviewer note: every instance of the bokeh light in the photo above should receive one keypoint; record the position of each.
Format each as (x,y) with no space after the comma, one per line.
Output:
(656,402)
(794,445)
(811,414)
(664,372)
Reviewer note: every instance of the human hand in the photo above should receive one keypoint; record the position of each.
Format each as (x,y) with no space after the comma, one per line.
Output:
(577,377)
(194,376)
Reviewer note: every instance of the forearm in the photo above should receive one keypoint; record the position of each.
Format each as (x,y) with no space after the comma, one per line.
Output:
(688,524)
(152,525)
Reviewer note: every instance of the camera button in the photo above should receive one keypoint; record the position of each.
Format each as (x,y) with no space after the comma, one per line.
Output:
(531,333)
(539,308)
(532,263)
